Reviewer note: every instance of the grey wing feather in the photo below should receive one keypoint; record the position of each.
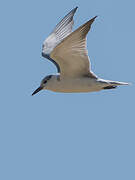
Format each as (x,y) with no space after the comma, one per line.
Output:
(62,30)
(64,27)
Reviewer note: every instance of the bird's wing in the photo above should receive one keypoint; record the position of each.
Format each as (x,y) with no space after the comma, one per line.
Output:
(71,54)
(61,31)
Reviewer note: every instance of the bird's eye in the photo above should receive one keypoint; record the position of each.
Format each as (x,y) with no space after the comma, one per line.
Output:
(45,81)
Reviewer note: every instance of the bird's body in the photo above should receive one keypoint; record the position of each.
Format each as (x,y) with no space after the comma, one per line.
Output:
(80,84)
(67,50)
(70,85)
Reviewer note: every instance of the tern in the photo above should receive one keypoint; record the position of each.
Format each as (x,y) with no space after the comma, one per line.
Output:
(68,51)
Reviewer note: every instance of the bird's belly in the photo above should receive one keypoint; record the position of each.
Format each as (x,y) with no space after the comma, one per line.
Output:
(76,85)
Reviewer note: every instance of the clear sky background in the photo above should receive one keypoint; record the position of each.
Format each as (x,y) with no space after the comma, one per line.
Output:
(55,136)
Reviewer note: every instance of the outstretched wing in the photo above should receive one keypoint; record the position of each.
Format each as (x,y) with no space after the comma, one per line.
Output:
(71,54)
(61,31)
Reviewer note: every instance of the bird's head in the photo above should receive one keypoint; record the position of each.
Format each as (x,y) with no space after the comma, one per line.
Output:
(42,84)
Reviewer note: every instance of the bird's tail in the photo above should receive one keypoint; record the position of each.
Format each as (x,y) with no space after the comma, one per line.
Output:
(114,84)
(117,83)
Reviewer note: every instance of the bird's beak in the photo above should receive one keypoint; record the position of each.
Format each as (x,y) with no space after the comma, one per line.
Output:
(37,90)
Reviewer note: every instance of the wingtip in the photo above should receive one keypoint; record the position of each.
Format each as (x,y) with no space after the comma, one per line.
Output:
(74,10)
(91,20)
(94,17)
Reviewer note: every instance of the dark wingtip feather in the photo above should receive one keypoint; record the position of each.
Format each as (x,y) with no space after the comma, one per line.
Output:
(88,23)
(93,18)
(74,10)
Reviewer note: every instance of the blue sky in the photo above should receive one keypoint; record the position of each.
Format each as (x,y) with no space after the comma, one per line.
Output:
(66,136)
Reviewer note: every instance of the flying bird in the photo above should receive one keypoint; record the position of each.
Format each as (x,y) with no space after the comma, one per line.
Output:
(68,51)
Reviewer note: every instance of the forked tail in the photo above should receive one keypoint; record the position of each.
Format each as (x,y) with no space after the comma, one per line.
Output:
(114,84)
(117,83)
